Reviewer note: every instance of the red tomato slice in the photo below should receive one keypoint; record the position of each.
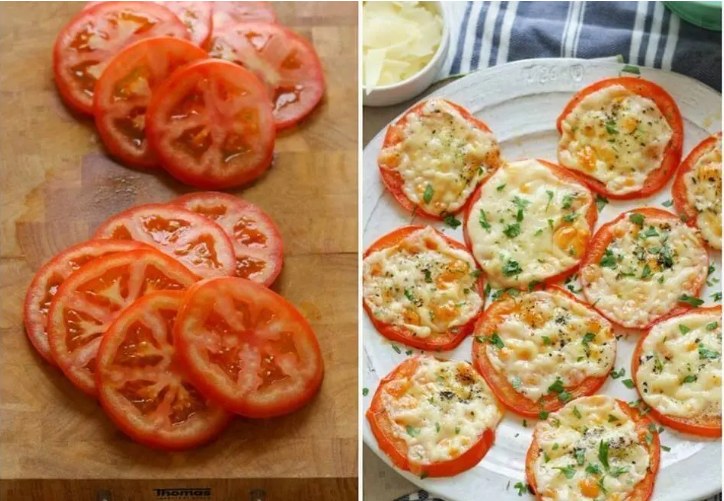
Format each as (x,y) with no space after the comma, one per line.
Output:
(396,448)
(93,297)
(198,243)
(396,134)
(443,341)
(678,189)
(247,348)
(256,238)
(141,386)
(517,402)
(591,216)
(49,278)
(211,125)
(285,61)
(645,487)
(672,154)
(96,34)
(602,239)
(124,90)
(704,426)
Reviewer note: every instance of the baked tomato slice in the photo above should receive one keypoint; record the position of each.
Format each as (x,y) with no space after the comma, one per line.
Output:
(256,238)
(96,34)
(211,125)
(687,348)
(617,115)
(247,348)
(141,385)
(200,244)
(286,62)
(435,155)
(697,189)
(123,92)
(540,349)
(93,296)
(642,266)
(587,444)
(442,291)
(433,417)
(49,278)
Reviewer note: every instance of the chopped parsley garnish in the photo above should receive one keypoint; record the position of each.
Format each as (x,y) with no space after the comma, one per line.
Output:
(568,471)
(516,382)
(666,448)
(716,296)
(365,392)
(521,203)
(620,373)
(587,338)
(646,272)
(428,279)
(617,471)
(475,273)
(483,220)
(568,201)
(650,232)
(409,296)
(667,203)
(576,412)
(452,221)
(580,456)
(628,383)
(603,453)
(500,187)
(550,197)
(521,487)
(593,469)
(546,340)
(511,268)
(496,341)
(532,284)
(413,432)
(601,202)
(512,230)
(707,354)
(427,196)
(683,329)
(691,300)
(608,260)
(712,326)
(637,219)
(611,127)
(543,415)
(437,427)
(557,387)
(689,379)
(396,348)
(569,218)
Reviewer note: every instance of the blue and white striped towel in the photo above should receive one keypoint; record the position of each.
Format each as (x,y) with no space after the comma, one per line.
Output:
(645,33)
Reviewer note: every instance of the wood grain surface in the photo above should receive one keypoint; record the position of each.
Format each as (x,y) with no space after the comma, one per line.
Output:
(57,186)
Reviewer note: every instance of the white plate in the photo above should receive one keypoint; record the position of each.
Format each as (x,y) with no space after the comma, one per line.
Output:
(520,102)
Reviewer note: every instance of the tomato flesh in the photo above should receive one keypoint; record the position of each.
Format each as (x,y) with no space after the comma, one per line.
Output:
(247,348)
(141,385)
(95,35)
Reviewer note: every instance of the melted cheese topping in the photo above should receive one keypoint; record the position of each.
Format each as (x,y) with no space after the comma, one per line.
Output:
(422,284)
(645,270)
(546,337)
(680,366)
(572,442)
(441,158)
(528,224)
(441,410)
(703,192)
(616,137)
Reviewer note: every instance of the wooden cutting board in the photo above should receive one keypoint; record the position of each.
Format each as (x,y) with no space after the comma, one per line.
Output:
(57,186)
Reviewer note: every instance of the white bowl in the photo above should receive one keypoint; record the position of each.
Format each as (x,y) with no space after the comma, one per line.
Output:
(387,95)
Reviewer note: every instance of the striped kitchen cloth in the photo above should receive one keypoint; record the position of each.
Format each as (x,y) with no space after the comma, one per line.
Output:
(645,33)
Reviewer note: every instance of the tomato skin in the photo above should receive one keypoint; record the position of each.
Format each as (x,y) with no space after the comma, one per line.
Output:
(198,307)
(669,109)
(598,245)
(45,283)
(134,423)
(644,488)
(396,449)
(443,342)
(394,135)
(209,171)
(498,383)
(706,427)
(98,17)
(208,203)
(678,189)
(591,216)
(146,54)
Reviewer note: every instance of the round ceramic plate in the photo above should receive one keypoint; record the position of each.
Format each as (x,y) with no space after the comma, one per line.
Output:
(520,102)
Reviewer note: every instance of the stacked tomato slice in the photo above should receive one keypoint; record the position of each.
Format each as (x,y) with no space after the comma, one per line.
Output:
(127,318)
(151,74)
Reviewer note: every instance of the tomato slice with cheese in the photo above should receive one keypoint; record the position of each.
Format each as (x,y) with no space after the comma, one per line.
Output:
(623,135)
(123,92)
(421,288)
(286,62)
(433,417)
(257,242)
(595,447)
(529,222)
(677,371)
(95,35)
(435,155)
(541,349)
(51,276)
(697,190)
(642,266)
(211,125)
(141,385)
(200,244)
(92,297)
(247,348)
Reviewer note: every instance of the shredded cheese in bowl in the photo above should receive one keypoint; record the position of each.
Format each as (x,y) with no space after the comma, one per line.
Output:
(398,40)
